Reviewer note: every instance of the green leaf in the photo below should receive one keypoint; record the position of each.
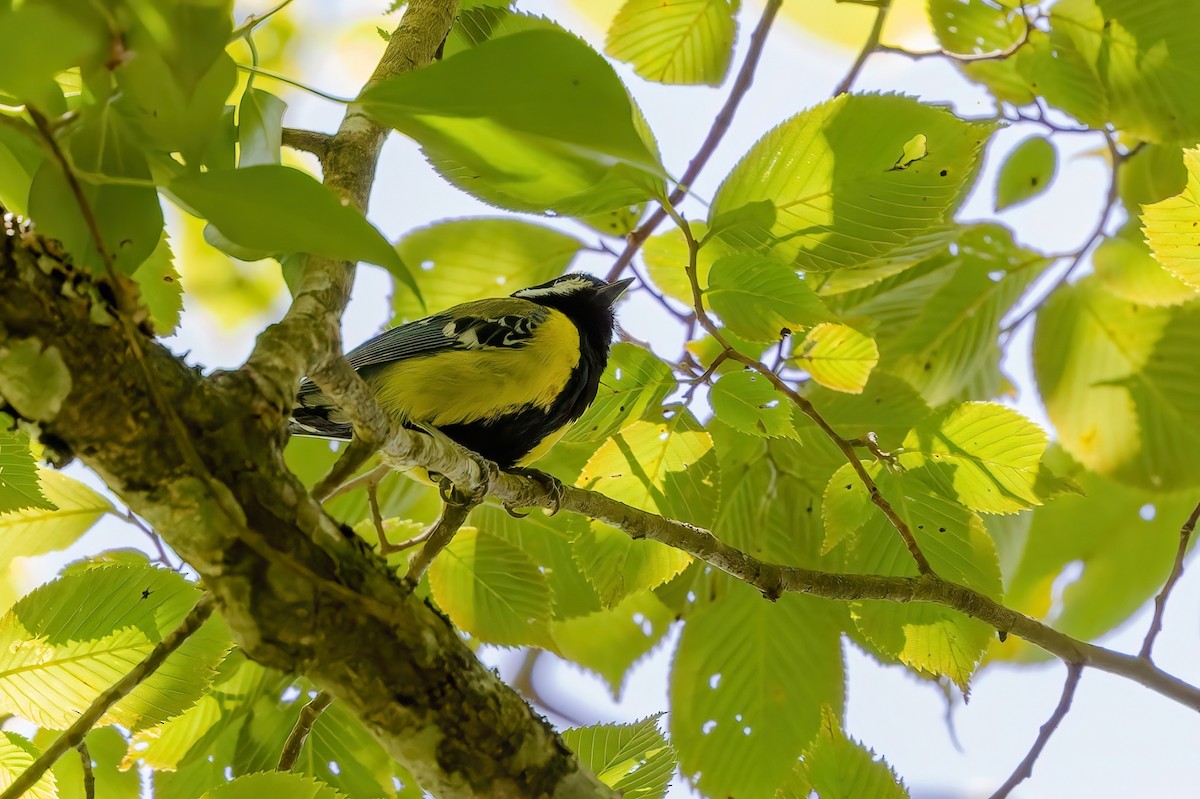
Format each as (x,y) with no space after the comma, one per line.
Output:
(175,78)
(838,357)
(279,209)
(127,212)
(275,783)
(20,158)
(666,257)
(20,488)
(839,767)
(341,753)
(16,756)
(34,381)
(1119,397)
(69,510)
(548,541)
(106,748)
(678,41)
(608,642)
(987,26)
(940,340)
(634,384)
(656,466)
(983,454)
(1089,563)
(474,259)
(633,759)
(1131,63)
(748,402)
(888,407)
(37,42)
(160,287)
(845,507)
(1026,172)
(747,686)
(260,128)
(1127,269)
(1172,226)
(828,174)
(500,125)
(54,661)
(760,299)
(492,590)
(927,638)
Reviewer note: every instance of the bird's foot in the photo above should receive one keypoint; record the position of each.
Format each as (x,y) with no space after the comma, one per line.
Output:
(549,483)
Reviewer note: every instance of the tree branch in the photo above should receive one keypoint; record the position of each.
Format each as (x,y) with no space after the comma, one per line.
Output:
(1160,601)
(720,127)
(870,46)
(1024,770)
(73,736)
(309,141)
(299,734)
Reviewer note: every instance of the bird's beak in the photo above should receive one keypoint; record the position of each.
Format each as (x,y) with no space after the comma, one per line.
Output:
(613,291)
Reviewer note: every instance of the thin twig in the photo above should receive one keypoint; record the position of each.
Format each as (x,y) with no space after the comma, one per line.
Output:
(155,540)
(89,776)
(523,684)
(74,735)
(1110,202)
(1160,601)
(720,126)
(881,502)
(304,724)
(870,46)
(1024,770)
(254,20)
(309,141)
(994,55)
(454,512)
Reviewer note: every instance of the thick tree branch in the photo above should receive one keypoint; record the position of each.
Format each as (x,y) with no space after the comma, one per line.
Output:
(73,736)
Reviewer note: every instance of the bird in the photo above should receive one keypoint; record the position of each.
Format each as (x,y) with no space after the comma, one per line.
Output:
(504,377)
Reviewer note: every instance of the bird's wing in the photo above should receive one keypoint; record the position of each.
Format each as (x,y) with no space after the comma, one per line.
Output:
(506,322)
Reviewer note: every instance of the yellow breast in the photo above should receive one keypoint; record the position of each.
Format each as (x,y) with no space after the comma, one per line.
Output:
(469,385)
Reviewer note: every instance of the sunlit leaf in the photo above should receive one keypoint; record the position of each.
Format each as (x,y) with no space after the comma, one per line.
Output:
(985,455)
(491,589)
(1129,270)
(747,685)
(838,357)
(984,26)
(276,783)
(1121,394)
(20,487)
(928,638)
(1172,226)
(748,402)
(828,174)
(760,299)
(634,383)
(160,287)
(472,259)
(839,767)
(16,756)
(71,509)
(656,466)
(105,748)
(676,41)
(634,759)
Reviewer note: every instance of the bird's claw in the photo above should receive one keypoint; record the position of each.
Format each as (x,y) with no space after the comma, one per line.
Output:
(548,482)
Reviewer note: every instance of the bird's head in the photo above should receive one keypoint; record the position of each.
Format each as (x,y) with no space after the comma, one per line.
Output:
(576,289)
